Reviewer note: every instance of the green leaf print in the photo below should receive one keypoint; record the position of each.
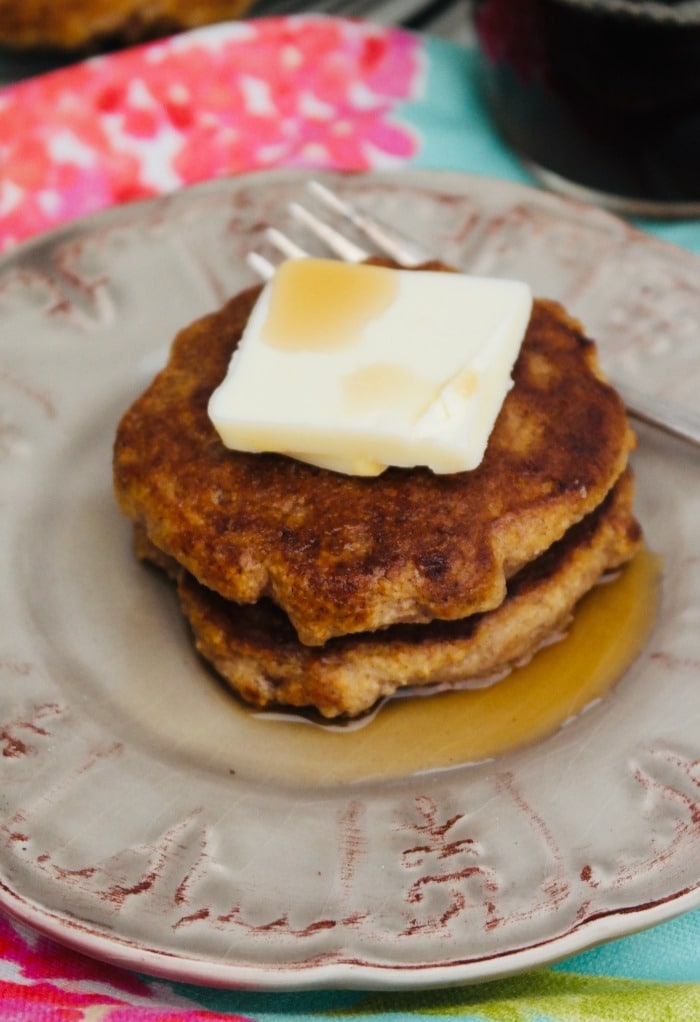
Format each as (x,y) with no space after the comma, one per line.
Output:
(544,996)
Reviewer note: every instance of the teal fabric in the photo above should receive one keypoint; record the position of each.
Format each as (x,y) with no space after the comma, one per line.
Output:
(451,119)
(669,952)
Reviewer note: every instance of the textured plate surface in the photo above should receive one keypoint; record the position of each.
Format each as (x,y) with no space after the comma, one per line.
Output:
(145,819)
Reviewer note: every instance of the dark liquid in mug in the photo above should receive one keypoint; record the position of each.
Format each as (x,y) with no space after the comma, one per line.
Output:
(604,94)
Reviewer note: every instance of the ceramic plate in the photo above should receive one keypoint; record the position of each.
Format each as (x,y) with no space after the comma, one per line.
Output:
(150,820)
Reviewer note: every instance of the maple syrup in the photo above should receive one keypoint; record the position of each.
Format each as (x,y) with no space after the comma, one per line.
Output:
(413,735)
(345,299)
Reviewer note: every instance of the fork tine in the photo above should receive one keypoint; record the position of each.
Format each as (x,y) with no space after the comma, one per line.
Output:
(390,241)
(284,244)
(263,266)
(336,242)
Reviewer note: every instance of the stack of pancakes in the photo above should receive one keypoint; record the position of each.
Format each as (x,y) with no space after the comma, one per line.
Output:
(308,588)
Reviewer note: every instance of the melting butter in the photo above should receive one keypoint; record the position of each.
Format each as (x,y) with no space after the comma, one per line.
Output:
(358,367)
(383,385)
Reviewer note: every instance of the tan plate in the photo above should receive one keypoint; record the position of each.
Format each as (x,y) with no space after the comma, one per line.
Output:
(147,819)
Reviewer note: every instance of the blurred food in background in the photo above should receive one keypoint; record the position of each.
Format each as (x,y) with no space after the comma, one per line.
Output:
(89,26)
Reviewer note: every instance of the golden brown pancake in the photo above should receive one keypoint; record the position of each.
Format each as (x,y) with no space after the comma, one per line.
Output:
(343,555)
(82,25)
(256,650)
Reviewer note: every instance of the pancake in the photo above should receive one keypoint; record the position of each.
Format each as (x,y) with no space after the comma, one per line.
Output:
(343,555)
(257,652)
(88,25)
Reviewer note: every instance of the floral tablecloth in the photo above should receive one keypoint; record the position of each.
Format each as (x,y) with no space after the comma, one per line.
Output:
(305,92)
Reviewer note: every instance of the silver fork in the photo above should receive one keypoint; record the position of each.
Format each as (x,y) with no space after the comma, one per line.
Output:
(654,411)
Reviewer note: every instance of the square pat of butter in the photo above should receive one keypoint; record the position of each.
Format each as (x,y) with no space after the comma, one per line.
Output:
(358,367)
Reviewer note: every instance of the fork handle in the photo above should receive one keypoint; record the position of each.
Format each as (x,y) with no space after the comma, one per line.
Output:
(665,415)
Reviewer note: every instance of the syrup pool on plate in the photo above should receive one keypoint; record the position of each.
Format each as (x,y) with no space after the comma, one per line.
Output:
(414,735)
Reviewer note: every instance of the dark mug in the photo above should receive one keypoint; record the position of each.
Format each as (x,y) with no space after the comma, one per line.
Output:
(600,98)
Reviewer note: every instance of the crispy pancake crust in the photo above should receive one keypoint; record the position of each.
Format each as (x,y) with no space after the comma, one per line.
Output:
(256,650)
(341,554)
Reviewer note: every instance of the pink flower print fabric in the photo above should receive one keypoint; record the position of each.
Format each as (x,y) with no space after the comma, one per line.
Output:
(304,91)
(40,980)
